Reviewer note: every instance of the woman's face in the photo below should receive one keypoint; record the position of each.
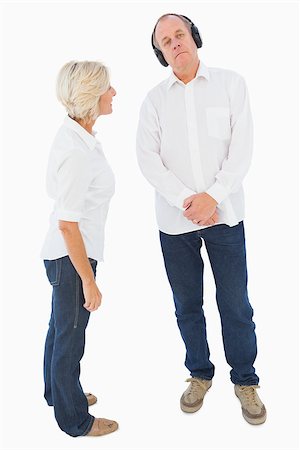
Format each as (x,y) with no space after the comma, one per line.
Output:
(105,101)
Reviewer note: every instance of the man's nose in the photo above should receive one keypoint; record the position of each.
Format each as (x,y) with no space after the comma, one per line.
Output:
(176,44)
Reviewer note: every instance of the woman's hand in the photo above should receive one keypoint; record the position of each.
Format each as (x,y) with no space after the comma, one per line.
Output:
(77,253)
(92,295)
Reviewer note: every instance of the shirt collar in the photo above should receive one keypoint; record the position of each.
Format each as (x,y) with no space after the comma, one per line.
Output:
(89,139)
(201,72)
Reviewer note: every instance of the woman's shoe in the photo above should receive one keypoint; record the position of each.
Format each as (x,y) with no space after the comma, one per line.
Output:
(102,426)
(91,398)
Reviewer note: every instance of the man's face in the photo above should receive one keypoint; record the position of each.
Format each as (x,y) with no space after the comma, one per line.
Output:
(176,42)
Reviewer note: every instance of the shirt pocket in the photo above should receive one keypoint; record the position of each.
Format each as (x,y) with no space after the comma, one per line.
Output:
(218,122)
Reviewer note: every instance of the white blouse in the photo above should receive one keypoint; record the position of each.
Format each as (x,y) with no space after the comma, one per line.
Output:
(196,138)
(81,183)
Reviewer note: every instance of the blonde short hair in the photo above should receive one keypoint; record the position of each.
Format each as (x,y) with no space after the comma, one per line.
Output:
(79,86)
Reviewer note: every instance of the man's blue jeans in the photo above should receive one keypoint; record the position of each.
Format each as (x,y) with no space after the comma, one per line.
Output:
(64,347)
(227,255)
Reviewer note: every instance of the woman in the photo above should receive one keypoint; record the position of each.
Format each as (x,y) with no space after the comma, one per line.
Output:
(81,182)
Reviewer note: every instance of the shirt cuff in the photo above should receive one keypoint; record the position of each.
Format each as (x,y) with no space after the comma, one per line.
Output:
(218,192)
(69,216)
(183,195)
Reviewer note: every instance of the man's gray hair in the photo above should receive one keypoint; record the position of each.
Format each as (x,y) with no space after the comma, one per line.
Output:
(184,20)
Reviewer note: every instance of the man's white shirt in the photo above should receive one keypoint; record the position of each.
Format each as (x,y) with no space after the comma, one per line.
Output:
(196,137)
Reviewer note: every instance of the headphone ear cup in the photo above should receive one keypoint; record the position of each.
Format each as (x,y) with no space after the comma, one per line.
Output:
(158,52)
(196,36)
(160,57)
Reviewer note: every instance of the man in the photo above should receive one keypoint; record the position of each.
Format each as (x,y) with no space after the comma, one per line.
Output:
(194,145)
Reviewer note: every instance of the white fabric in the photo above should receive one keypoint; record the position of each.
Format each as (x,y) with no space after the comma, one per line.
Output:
(81,183)
(196,138)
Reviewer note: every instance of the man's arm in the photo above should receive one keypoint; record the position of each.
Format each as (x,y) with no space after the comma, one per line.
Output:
(234,168)
(151,165)
(236,165)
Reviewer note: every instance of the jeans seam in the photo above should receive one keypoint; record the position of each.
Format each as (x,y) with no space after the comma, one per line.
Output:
(76,302)
(56,273)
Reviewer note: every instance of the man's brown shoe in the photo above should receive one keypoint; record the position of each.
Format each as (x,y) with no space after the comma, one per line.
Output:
(192,399)
(91,398)
(253,409)
(102,426)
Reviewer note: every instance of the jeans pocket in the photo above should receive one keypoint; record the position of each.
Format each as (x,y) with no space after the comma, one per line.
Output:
(232,236)
(53,270)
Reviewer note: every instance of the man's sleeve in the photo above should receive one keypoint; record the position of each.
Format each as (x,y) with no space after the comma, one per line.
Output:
(151,165)
(234,168)
(72,185)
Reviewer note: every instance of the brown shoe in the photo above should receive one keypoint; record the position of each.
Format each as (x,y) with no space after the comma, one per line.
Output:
(91,398)
(253,409)
(102,426)
(192,399)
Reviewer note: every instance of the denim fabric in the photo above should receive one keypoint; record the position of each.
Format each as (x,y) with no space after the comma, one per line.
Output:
(184,266)
(64,347)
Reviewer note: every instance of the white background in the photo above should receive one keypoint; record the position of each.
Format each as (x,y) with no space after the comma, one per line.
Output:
(134,358)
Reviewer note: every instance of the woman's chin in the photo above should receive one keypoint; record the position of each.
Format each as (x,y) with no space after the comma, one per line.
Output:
(106,113)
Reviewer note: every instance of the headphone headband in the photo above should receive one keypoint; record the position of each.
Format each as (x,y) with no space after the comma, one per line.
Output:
(194,32)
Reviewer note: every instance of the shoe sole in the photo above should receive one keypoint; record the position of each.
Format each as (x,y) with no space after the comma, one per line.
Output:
(251,420)
(258,421)
(190,409)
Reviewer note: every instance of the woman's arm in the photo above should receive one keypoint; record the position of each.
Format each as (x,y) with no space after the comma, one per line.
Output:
(79,259)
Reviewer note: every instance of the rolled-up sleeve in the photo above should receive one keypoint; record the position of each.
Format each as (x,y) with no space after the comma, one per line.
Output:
(148,154)
(73,179)
(234,168)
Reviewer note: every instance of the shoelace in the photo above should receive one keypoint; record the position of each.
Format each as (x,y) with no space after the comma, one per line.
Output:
(250,393)
(195,383)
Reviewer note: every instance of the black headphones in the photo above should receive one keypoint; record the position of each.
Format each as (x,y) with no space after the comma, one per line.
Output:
(195,35)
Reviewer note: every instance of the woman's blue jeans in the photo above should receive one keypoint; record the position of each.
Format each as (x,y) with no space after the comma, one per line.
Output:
(64,347)
(184,266)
